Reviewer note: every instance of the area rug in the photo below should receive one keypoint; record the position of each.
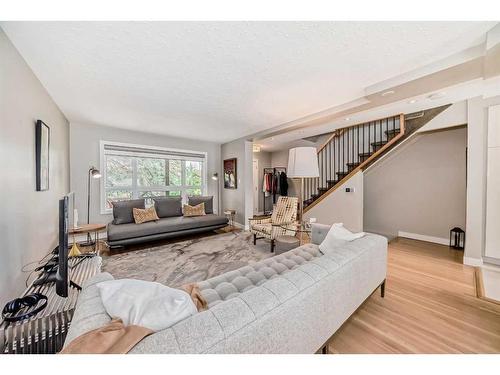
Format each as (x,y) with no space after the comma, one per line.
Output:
(189,261)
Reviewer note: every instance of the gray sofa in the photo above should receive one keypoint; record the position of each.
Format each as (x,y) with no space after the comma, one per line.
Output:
(290,303)
(124,231)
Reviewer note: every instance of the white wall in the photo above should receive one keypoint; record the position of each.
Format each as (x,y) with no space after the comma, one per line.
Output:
(477,117)
(342,207)
(29,219)
(492,232)
(477,163)
(85,152)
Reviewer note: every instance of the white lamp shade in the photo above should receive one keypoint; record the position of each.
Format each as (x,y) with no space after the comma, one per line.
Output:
(303,162)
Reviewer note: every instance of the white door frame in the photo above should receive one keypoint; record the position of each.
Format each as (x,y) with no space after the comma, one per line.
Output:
(255,170)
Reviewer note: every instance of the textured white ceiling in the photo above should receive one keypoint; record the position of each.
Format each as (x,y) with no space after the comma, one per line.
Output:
(219,81)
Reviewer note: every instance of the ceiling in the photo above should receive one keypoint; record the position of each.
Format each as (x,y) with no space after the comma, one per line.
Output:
(453,94)
(219,81)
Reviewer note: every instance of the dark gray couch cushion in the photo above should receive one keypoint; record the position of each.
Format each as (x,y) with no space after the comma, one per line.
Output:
(208,200)
(168,206)
(164,225)
(122,210)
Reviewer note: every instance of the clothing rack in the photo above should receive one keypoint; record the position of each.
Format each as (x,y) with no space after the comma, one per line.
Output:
(274,194)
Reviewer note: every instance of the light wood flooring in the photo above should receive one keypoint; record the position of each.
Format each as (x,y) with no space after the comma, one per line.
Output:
(430,306)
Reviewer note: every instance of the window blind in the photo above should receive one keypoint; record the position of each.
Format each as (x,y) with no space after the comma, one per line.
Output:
(131,150)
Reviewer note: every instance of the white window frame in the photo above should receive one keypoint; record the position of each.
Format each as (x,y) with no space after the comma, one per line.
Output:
(134,188)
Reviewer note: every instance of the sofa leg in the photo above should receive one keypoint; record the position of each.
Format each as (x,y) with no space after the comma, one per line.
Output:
(272,246)
(254,239)
(382,289)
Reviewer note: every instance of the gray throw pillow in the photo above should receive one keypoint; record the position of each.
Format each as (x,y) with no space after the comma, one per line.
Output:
(208,200)
(123,210)
(168,206)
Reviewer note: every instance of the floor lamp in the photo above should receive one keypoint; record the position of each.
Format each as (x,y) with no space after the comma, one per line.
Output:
(302,163)
(215,177)
(93,173)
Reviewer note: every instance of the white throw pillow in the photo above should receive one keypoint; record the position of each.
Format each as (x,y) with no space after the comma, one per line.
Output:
(144,303)
(338,236)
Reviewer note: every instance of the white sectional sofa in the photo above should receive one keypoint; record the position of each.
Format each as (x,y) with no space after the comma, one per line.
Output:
(291,303)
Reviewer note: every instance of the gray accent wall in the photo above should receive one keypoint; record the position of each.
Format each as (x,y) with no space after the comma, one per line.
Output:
(420,187)
(85,152)
(29,220)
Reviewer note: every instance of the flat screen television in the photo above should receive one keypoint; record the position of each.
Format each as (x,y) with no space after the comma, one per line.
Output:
(66,205)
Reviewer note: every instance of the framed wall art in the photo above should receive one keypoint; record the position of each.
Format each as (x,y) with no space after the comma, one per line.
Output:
(42,148)
(230,177)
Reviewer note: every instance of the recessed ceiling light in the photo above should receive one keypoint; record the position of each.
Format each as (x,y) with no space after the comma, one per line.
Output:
(347,119)
(390,92)
(412,101)
(437,95)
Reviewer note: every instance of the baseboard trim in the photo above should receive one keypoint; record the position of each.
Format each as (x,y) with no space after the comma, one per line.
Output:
(489,260)
(474,262)
(423,237)
(238,225)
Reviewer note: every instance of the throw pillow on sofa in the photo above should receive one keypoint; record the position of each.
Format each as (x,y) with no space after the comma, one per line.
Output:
(143,216)
(145,303)
(208,200)
(168,206)
(338,236)
(122,210)
(198,210)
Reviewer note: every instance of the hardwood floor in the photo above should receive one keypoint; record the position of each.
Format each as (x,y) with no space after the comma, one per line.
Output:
(430,306)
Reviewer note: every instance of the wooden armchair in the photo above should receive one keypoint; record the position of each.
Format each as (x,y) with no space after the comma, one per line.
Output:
(283,221)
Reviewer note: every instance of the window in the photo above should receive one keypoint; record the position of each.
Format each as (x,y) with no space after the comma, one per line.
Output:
(132,172)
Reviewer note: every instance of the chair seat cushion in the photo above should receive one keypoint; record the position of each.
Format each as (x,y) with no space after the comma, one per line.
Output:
(164,225)
(263,228)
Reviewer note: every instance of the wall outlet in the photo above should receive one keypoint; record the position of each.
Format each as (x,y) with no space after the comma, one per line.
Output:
(349,190)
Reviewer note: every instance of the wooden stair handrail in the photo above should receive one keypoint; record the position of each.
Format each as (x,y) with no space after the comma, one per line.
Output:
(365,163)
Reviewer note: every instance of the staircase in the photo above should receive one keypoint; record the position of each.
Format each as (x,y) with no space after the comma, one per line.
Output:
(349,150)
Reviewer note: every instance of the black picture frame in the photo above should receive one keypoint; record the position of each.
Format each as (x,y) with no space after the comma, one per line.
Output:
(42,155)
(230,174)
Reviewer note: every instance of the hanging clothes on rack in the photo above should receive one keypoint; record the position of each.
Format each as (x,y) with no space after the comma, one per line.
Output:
(275,183)
(283,184)
(267,184)
(272,186)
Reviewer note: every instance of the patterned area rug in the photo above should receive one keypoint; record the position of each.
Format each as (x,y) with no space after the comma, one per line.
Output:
(189,261)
